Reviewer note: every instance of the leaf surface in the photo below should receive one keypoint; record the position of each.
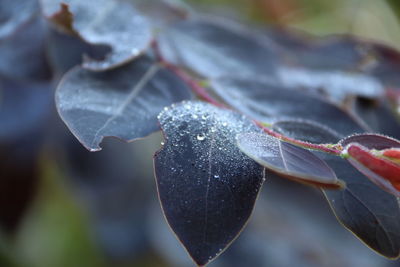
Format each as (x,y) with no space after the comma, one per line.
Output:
(106,22)
(207,187)
(266,102)
(288,160)
(213,48)
(123,102)
(363,208)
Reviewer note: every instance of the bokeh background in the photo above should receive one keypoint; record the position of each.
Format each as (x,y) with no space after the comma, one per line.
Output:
(61,206)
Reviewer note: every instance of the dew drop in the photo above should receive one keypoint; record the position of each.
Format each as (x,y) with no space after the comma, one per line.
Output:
(162,143)
(216,176)
(201,137)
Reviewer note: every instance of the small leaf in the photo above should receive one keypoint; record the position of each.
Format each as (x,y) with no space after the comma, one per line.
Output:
(382,172)
(266,102)
(288,160)
(106,22)
(367,211)
(123,103)
(207,187)
(371,141)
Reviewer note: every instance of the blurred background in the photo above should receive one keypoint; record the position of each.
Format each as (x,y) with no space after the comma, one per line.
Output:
(63,206)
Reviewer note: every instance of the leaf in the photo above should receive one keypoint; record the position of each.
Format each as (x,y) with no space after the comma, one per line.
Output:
(214,48)
(14,14)
(207,187)
(266,102)
(378,115)
(288,160)
(106,22)
(382,172)
(22,54)
(308,131)
(367,211)
(371,141)
(123,103)
(66,51)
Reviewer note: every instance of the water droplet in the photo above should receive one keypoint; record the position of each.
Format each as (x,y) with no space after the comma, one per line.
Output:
(194,116)
(224,124)
(162,143)
(216,176)
(201,137)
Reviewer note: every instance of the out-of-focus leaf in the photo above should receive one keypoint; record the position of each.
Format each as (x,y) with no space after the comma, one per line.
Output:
(378,115)
(382,172)
(107,22)
(309,131)
(207,187)
(66,51)
(369,212)
(214,48)
(288,160)
(266,102)
(13,14)
(24,108)
(22,55)
(123,103)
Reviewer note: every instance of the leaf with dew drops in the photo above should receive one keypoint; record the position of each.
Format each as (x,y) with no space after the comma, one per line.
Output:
(206,185)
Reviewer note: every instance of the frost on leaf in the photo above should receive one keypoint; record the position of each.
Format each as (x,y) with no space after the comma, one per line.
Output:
(207,186)
(288,160)
(123,102)
(107,22)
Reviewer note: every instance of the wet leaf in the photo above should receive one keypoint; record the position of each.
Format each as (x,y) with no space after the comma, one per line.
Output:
(215,48)
(369,212)
(123,103)
(266,102)
(288,160)
(107,22)
(207,187)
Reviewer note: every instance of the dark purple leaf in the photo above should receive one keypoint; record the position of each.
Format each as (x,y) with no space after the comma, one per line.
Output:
(367,211)
(288,160)
(215,48)
(371,141)
(308,131)
(107,22)
(383,172)
(66,51)
(378,115)
(207,187)
(266,102)
(123,103)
